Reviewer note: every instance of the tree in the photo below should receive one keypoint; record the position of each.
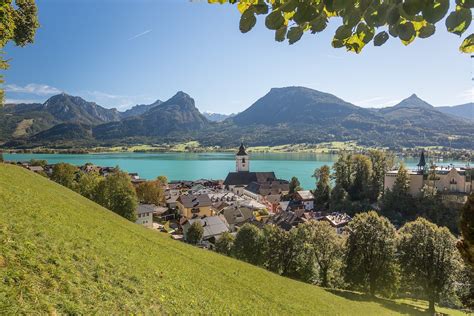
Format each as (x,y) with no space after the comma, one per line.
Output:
(290,19)
(361,172)
(327,247)
(1,157)
(339,199)
(225,243)
(18,23)
(248,244)
(342,171)
(323,187)
(381,163)
(195,232)
(428,258)
(117,194)
(294,185)
(466,244)
(278,250)
(398,204)
(162,180)
(87,185)
(65,174)
(38,162)
(370,261)
(151,192)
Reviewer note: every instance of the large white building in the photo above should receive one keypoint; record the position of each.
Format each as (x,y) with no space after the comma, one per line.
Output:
(454,183)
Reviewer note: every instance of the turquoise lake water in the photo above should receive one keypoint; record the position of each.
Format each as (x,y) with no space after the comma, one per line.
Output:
(193,166)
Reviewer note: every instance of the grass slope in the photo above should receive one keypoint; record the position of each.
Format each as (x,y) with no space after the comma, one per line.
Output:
(61,253)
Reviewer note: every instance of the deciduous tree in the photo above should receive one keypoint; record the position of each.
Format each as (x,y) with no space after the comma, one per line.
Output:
(151,192)
(428,258)
(327,246)
(466,244)
(248,244)
(225,243)
(117,194)
(370,262)
(294,185)
(195,232)
(361,22)
(322,193)
(381,162)
(65,174)
(87,184)
(361,174)
(18,24)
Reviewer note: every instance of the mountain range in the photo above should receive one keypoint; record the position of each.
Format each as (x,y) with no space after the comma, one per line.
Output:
(282,116)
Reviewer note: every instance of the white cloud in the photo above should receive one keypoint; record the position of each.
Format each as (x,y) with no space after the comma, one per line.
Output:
(121,102)
(377,102)
(32,88)
(140,34)
(467,95)
(18,101)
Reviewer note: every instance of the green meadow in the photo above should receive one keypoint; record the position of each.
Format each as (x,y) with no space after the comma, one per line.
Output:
(63,254)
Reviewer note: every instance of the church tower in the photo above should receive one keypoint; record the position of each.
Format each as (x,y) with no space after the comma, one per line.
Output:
(242,160)
(422,163)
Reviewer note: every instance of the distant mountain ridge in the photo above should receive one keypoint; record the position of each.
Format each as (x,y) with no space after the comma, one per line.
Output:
(217,117)
(140,109)
(464,110)
(282,116)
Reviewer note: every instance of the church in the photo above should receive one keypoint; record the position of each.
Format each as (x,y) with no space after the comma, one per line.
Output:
(242,178)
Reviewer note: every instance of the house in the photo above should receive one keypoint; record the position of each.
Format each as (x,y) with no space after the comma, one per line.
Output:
(36,169)
(236,215)
(338,221)
(307,198)
(288,219)
(269,191)
(145,214)
(195,205)
(453,183)
(213,226)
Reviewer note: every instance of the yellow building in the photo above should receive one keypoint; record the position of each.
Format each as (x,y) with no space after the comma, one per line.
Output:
(195,205)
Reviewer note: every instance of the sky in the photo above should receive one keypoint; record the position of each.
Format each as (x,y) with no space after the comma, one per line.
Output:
(120,53)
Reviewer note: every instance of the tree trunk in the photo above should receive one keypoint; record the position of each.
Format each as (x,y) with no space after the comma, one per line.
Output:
(431,308)
(324,277)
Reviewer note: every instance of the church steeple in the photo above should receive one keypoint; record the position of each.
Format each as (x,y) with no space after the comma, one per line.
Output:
(242,163)
(422,163)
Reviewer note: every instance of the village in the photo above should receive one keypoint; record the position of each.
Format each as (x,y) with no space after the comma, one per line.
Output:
(259,198)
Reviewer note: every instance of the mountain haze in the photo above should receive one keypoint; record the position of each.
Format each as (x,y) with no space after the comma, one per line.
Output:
(463,111)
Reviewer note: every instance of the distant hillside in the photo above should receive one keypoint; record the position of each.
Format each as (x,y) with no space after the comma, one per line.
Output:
(414,111)
(179,114)
(216,117)
(67,108)
(297,105)
(63,254)
(288,115)
(464,110)
(139,109)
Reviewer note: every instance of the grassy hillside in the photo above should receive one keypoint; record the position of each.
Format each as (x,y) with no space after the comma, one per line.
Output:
(61,253)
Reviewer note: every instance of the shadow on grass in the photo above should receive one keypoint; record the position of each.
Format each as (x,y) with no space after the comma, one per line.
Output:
(399,307)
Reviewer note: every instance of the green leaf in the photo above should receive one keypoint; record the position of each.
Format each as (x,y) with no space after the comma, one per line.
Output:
(294,34)
(435,10)
(393,30)
(261,8)
(406,31)
(467,46)
(364,32)
(468,4)
(319,24)
(352,18)
(343,32)
(426,31)
(304,13)
(393,15)
(280,34)
(247,21)
(274,20)
(380,38)
(337,43)
(289,6)
(412,7)
(458,21)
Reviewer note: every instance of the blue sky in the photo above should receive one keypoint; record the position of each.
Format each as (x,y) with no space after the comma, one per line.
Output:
(119,53)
